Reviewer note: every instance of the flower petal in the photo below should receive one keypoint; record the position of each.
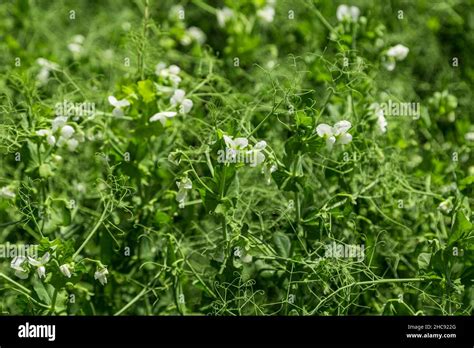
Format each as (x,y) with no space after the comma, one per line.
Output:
(324,130)
(341,127)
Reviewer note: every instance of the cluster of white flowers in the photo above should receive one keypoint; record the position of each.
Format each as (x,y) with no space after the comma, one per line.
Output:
(21,271)
(75,46)
(193,34)
(7,192)
(21,268)
(394,54)
(267,13)
(183,187)
(178,98)
(170,73)
(336,134)
(240,148)
(62,134)
(46,67)
(223,16)
(347,13)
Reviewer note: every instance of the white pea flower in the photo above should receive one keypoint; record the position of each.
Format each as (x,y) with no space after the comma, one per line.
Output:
(118,105)
(46,67)
(162,116)
(74,47)
(237,143)
(196,34)
(47,64)
(178,99)
(171,73)
(266,14)
(336,134)
(347,12)
(183,186)
(7,192)
(469,136)
(257,153)
(67,131)
(65,270)
(79,39)
(399,52)
(39,264)
(17,265)
(223,16)
(446,206)
(381,121)
(101,275)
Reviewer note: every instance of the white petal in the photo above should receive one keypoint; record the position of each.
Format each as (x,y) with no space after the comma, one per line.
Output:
(112,100)
(177,97)
(345,138)
(324,130)
(67,131)
(51,140)
(33,262)
(399,52)
(43,132)
(229,142)
(355,12)
(341,127)
(117,112)
(330,142)
(187,104)
(45,258)
(58,122)
(342,12)
(174,69)
(266,14)
(122,103)
(159,67)
(41,271)
(260,145)
(241,142)
(21,274)
(161,116)
(72,144)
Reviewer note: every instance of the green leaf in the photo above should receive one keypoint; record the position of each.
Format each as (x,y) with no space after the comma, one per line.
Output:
(461,229)
(424,260)
(282,243)
(146,90)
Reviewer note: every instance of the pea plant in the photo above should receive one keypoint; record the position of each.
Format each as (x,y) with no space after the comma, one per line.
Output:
(254,157)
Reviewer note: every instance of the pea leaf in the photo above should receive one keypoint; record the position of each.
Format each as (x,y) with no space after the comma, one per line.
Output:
(282,243)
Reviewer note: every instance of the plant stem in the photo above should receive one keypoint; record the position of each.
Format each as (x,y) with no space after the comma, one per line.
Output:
(368,282)
(53,300)
(96,227)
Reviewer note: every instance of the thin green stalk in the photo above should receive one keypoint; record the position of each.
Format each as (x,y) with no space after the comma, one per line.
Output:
(96,227)
(370,282)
